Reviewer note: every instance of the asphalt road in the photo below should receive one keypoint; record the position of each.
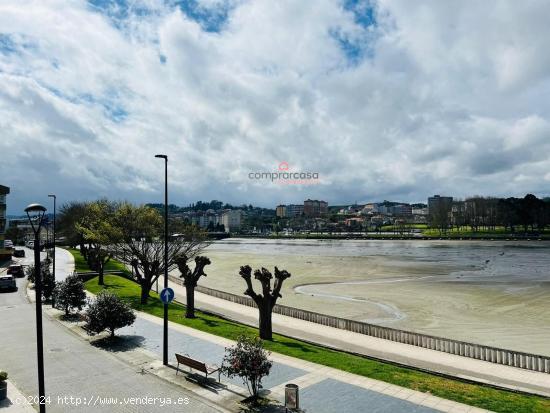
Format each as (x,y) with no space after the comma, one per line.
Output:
(74,368)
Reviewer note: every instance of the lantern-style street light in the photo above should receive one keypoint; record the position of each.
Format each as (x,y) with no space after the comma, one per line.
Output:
(35,213)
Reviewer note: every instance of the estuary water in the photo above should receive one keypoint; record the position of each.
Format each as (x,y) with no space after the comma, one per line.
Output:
(489,292)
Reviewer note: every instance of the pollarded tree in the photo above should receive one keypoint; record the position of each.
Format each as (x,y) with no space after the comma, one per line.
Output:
(70,294)
(108,312)
(267,300)
(141,245)
(190,280)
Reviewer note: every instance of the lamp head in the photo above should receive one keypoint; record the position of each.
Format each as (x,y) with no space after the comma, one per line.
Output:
(34,209)
(37,212)
(51,196)
(165,157)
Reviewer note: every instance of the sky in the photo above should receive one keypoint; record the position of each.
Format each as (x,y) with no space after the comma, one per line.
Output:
(382,99)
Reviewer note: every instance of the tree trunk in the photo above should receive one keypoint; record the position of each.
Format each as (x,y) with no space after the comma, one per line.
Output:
(254,386)
(190,296)
(145,293)
(265,323)
(100,274)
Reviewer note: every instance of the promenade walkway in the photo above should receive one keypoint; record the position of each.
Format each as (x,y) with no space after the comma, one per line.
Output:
(477,370)
(95,378)
(322,389)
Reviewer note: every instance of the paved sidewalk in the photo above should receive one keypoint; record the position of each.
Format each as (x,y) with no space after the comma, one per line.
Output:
(464,367)
(16,401)
(75,368)
(64,264)
(323,389)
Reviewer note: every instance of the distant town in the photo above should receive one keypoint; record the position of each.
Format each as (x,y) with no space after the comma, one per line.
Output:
(439,216)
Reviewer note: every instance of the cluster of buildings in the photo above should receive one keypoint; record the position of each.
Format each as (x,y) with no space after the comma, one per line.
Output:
(310,208)
(384,213)
(227,220)
(353,217)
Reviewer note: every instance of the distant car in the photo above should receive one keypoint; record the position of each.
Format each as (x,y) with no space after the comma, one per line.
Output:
(7,282)
(19,253)
(16,270)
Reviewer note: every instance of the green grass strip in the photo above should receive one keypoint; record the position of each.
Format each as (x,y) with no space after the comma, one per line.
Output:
(472,394)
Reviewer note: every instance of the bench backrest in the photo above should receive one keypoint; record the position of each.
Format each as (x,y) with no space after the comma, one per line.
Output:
(194,364)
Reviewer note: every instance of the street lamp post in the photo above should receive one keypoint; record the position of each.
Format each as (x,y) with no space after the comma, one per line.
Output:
(37,212)
(165,327)
(54,210)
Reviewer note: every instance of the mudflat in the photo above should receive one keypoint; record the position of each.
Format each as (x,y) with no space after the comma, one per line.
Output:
(489,292)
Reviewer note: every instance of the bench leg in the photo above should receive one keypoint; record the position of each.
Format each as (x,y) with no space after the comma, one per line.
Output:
(177,368)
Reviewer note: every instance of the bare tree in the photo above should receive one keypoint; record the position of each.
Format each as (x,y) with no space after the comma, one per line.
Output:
(190,280)
(267,300)
(140,243)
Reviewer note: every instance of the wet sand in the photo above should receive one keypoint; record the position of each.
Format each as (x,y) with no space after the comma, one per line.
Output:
(493,293)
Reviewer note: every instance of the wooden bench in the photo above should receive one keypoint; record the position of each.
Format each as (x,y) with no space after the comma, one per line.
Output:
(196,365)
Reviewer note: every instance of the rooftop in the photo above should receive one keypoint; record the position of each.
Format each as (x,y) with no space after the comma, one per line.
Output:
(4,190)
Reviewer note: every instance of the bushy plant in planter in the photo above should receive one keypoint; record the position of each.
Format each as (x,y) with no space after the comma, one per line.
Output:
(3,385)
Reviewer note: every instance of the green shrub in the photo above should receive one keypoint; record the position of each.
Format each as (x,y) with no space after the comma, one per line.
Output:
(108,312)
(70,294)
(3,376)
(248,360)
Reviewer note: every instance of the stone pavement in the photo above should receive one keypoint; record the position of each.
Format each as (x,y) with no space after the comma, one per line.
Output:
(450,364)
(16,401)
(323,389)
(75,368)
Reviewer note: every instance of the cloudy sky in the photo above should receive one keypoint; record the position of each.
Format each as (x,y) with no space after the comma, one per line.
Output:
(384,99)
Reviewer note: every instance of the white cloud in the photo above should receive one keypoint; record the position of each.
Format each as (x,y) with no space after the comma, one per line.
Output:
(441,97)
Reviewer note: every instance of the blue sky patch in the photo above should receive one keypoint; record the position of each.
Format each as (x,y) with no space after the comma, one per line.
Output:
(7,45)
(210,19)
(363,12)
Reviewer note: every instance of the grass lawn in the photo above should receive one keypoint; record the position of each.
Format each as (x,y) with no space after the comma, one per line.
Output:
(472,394)
(81,264)
(467,232)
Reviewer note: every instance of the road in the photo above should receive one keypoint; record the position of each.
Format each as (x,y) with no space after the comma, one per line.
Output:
(75,368)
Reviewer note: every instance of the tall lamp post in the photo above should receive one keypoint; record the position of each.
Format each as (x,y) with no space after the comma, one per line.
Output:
(54,210)
(165,327)
(35,212)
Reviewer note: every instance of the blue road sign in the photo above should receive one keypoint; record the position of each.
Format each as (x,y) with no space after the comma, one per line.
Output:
(167,295)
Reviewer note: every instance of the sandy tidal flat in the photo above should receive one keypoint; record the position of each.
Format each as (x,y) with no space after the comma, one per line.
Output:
(493,293)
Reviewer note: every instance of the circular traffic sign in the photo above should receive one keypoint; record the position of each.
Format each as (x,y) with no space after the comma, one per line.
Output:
(167,295)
